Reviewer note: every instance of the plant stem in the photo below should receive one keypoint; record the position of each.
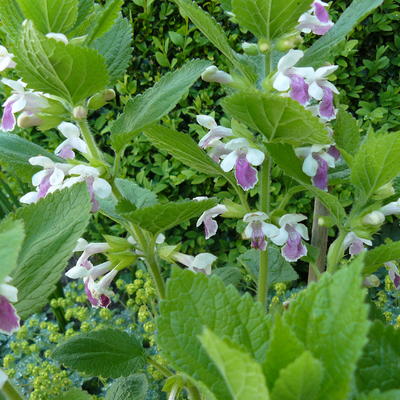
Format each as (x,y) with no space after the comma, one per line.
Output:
(94,151)
(10,392)
(262,285)
(240,193)
(165,371)
(194,393)
(265,186)
(335,253)
(319,239)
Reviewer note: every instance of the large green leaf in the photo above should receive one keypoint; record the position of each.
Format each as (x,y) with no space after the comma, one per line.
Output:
(146,109)
(109,353)
(161,217)
(11,238)
(375,258)
(330,319)
(376,163)
(325,48)
(279,119)
(196,301)
(346,132)
(138,196)
(15,153)
(68,71)
(52,228)
(184,148)
(51,15)
(379,366)
(11,18)
(269,19)
(133,387)
(242,374)
(377,395)
(300,380)
(75,394)
(115,47)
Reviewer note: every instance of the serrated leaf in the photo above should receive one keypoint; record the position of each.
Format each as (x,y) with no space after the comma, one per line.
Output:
(279,119)
(115,47)
(269,19)
(376,163)
(48,244)
(15,153)
(196,301)
(86,17)
(85,8)
(109,353)
(377,395)
(11,238)
(326,48)
(242,374)
(346,132)
(183,148)
(105,19)
(379,366)
(11,18)
(330,319)
(376,257)
(134,387)
(138,196)
(68,71)
(76,394)
(300,380)
(146,109)
(229,275)
(161,217)
(51,15)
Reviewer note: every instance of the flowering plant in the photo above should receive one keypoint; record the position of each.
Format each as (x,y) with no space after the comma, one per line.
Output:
(283,116)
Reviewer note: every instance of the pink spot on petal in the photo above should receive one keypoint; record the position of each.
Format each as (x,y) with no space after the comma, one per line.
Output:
(320,12)
(9,320)
(294,248)
(66,152)
(210,227)
(320,180)
(8,121)
(257,237)
(44,186)
(246,175)
(326,108)
(299,89)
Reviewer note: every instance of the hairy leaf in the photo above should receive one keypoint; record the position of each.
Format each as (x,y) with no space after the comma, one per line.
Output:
(75,394)
(138,196)
(133,387)
(377,395)
(11,18)
(346,132)
(375,258)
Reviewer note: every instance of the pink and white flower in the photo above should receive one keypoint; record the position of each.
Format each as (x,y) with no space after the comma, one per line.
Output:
(6,59)
(394,273)
(257,230)
(213,74)
(201,263)
(316,20)
(9,320)
(46,181)
(20,100)
(207,218)
(355,244)
(290,77)
(215,133)
(290,235)
(73,142)
(241,158)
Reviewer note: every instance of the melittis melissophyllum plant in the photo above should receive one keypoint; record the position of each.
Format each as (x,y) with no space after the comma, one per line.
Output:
(59,65)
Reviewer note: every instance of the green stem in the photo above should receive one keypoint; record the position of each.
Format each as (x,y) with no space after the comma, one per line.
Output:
(94,151)
(335,253)
(10,392)
(193,393)
(165,371)
(262,286)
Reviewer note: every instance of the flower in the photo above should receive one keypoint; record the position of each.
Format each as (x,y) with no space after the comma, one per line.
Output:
(317,160)
(394,273)
(201,263)
(242,157)
(20,100)
(6,59)
(215,132)
(96,185)
(257,229)
(355,244)
(316,20)
(374,218)
(392,208)
(46,181)
(289,77)
(207,218)
(213,74)
(59,37)
(72,133)
(9,320)
(290,234)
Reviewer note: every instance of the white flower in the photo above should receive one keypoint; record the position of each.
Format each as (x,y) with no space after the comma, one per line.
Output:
(215,133)
(318,81)
(6,59)
(392,208)
(257,229)
(374,218)
(207,218)
(72,133)
(355,244)
(201,263)
(213,74)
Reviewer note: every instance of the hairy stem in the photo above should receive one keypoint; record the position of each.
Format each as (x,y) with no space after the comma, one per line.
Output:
(10,392)
(165,371)
(193,393)
(94,151)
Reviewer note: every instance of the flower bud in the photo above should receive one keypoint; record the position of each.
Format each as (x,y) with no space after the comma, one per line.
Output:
(289,42)
(27,120)
(371,281)
(251,49)
(100,99)
(167,252)
(326,221)
(79,112)
(374,218)
(117,243)
(384,192)
(264,45)
(213,74)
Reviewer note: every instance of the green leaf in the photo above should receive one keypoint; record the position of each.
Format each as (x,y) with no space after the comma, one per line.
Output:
(76,394)
(279,119)
(346,132)
(283,349)
(279,270)
(86,18)
(376,163)
(115,47)
(68,71)
(134,387)
(269,19)
(379,366)
(330,319)
(11,18)
(105,19)
(285,157)
(85,8)
(377,395)
(376,257)
(138,196)
(48,244)
(182,147)
(15,153)
(242,374)
(300,380)
(197,301)
(109,353)
(229,275)
(51,15)
(326,48)
(161,217)
(146,109)
(11,238)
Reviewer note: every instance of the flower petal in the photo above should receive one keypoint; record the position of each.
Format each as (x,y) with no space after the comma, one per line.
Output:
(9,320)
(290,59)
(246,175)
(326,108)
(281,82)
(299,89)
(255,157)
(207,121)
(229,161)
(8,121)
(102,188)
